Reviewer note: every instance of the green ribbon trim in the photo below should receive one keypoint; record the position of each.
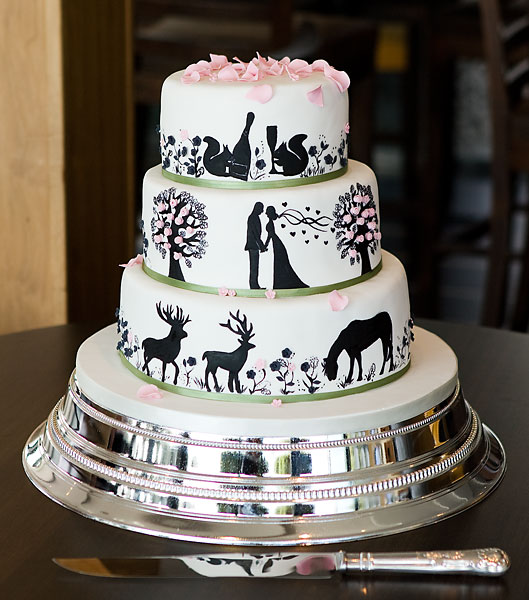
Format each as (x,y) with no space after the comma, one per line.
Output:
(260,399)
(253,185)
(245,293)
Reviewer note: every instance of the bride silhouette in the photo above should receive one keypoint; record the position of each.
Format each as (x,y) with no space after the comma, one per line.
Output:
(284,275)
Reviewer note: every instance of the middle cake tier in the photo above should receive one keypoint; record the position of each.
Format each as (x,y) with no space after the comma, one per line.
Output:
(243,349)
(324,235)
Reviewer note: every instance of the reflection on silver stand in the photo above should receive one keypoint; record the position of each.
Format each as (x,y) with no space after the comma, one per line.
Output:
(263,491)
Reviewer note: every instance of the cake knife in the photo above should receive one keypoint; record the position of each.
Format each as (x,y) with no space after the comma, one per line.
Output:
(482,561)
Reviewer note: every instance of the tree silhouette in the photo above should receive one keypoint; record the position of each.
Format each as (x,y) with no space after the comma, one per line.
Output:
(178,228)
(356,223)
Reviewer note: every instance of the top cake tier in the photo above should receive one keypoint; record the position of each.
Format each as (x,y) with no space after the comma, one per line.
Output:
(258,124)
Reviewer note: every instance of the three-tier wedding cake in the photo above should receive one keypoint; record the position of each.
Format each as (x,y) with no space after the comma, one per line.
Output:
(264,388)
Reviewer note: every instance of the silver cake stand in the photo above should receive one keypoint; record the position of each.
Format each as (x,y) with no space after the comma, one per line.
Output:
(263,491)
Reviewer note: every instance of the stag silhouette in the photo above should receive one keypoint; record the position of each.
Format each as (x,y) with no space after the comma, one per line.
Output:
(356,338)
(234,361)
(166,349)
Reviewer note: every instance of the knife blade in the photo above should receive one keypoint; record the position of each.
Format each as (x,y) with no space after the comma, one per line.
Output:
(322,565)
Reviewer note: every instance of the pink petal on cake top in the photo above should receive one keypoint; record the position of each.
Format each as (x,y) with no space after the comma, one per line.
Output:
(137,260)
(316,96)
(149,392)
(260,93)
(337,301)
(220,68)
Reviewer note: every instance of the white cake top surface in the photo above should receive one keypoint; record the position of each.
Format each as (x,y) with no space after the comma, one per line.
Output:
(431,379)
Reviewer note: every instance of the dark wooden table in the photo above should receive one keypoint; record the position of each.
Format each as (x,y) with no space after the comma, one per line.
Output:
(34,368)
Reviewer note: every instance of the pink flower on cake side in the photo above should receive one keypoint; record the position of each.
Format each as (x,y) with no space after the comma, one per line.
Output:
(260,364)
(223,291)
(270,294)
(347,218)
(232,293)
(346,127)
(337,301)
(177,255)
(179,240)
(291,367)
(137,260)
(276,402)
(184,134)
(149,392)
(316,96)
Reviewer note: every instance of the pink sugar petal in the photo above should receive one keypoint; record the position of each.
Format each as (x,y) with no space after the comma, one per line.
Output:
(319,65)
(316,96)
(260,93)
(149,392)
(270,294)
(337,301)
(217,61)
(223,291)
(137,260)
(276,402)
(228,73)
(191,78)
(340,78)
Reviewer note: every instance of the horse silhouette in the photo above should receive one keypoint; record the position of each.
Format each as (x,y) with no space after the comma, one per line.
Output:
(357,337)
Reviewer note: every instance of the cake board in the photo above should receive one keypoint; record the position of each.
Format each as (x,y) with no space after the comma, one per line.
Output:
(352,475)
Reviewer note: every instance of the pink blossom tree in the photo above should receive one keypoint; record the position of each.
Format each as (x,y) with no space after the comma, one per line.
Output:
(357,226)
(178,228)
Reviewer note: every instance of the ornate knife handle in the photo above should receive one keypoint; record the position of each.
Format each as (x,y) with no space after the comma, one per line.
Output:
(482,561)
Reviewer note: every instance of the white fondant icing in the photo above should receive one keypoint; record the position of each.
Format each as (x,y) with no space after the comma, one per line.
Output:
(219,109)
(430,380)
(311,246)
(296,333)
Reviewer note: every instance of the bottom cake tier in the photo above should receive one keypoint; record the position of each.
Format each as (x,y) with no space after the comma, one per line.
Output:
(386,460)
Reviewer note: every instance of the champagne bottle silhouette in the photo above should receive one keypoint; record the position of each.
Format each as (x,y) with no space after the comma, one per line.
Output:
(241,156)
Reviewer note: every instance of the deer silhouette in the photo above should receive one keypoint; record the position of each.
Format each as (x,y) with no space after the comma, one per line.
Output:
(166,349)
(234,361)
(356,338)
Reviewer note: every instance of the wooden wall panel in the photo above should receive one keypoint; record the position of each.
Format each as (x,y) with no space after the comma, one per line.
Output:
(32,265)
(99,151)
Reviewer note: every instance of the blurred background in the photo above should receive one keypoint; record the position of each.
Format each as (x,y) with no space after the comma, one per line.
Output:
(439,109)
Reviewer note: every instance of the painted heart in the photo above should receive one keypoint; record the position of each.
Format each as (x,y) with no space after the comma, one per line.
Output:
(303,231)
(293,233)
(307,208)
(326,242)
(316,237)
(333,229)
(284,203)
(337,301)
(318,212)
(307,241)
(283,225)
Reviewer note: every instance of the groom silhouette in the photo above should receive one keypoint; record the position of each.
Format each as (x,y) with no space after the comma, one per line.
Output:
(254,244)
